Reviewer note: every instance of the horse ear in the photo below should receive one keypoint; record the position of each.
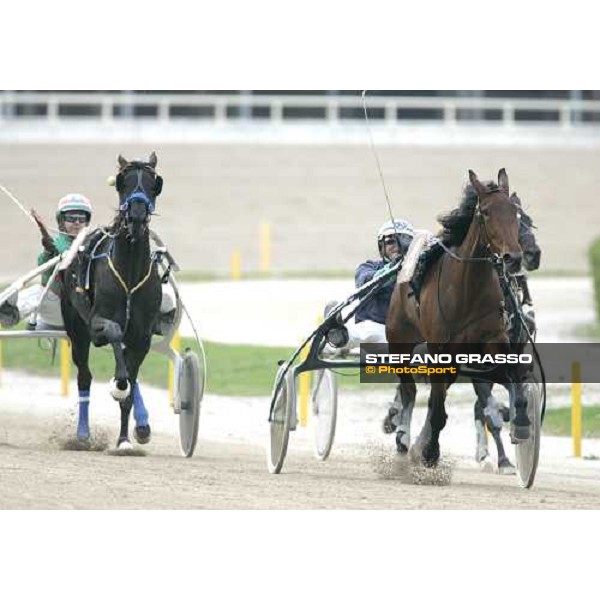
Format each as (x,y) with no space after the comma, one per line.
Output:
(479,187)
(503,180)
(515,199)
(122,162)
(153,160)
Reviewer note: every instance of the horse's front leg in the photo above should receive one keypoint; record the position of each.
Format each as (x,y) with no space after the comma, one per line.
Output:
(427,447)
(106,331)
(122,391)
(489,413)
(520,423)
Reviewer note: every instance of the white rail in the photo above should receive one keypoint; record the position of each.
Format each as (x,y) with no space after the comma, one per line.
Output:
(116,107)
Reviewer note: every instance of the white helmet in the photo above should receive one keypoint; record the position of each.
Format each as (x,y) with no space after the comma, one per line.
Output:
(398,227)
(75,202)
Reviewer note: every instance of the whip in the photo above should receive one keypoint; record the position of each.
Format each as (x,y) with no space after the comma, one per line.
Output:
(19,205)
(387,198)
(22,208)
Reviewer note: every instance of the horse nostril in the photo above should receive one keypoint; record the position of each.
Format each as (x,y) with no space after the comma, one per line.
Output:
(513,260)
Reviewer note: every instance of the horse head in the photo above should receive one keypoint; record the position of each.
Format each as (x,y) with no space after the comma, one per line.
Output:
(138,186)
(532,253)
(498,220)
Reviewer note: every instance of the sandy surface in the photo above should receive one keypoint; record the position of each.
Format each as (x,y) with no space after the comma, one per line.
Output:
(34,473)
(325,203)
(229,467)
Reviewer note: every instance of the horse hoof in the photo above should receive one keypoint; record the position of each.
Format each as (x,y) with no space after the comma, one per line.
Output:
(430,457)
(505,467)
(507,470)
(117,393)
(124,445)
(142,434)
(388,425)
(402,443)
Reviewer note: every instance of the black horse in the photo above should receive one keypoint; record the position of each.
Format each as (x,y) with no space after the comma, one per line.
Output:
(113,294)
(488,413)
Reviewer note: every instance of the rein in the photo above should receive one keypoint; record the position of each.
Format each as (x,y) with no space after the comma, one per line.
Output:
(494,259)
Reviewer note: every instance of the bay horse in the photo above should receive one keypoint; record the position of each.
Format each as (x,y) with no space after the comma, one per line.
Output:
(117,301)
(461,301)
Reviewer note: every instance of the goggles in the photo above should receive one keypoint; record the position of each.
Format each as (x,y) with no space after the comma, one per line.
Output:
(75,218)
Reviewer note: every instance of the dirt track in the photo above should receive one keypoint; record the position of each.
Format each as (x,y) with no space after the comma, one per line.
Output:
(35,473)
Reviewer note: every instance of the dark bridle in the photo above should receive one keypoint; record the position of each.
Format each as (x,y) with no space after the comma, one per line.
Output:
(137,197)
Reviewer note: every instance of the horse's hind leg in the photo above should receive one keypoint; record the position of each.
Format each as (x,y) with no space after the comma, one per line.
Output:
(142,430)
(140,414)
(401,413)
(80,351)
(481,450)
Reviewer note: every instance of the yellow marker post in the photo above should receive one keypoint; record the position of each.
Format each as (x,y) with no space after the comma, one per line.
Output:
(265,247)
(236,265)
(176,345)
(65,367)
(304,389)
(305,382)
(576,408)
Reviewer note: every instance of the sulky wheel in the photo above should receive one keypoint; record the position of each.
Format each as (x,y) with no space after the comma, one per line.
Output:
(191,390)
(528,452)
(284,404)
(324,409)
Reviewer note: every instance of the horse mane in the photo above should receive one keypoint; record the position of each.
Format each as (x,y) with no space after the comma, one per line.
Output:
(456,223)
(526,219)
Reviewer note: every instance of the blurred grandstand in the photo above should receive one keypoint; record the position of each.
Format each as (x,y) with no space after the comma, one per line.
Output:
(424,117)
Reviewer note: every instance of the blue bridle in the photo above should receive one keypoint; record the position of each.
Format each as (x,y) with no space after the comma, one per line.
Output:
(138,195)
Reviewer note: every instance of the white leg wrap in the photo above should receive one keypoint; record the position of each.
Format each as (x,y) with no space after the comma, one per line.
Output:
(118,394)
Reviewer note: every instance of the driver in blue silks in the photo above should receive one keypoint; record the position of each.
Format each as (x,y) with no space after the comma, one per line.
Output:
(368,325)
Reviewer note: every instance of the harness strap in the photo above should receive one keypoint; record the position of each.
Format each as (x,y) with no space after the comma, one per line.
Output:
(118,277)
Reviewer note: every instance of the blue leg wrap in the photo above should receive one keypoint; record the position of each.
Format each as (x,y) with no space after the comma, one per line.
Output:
(140,414)
(83,424)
